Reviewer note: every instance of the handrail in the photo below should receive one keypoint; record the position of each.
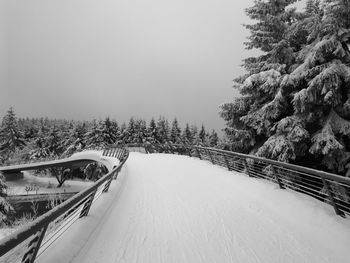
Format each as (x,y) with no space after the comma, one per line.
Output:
(82,200)
(327,187)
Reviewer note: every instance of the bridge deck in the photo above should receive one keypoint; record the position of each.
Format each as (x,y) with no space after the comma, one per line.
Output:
(167,208)
(78,159)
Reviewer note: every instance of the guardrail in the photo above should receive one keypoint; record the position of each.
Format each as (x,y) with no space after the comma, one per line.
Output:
(29,242)
(327,187)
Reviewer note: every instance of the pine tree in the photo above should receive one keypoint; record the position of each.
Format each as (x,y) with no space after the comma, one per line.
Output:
(123,134)
(213,139)
(54,142)
(319,84)
(162,130)
(10,135)
(250,117)
(40,150)
(202,135)
(75,139)
(130,131)
(295,105)
(5,207)
(175,133)
(140,131)
(187,135)
(152,131)
(109,131)
(94,136)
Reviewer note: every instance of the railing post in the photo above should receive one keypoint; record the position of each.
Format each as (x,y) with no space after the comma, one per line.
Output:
(278,179)
(33,246)
(87,205)
(211,157)
(108,183)
(226,161)
(331,197)
(245,163)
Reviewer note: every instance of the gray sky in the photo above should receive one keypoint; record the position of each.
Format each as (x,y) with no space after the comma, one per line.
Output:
(84,59)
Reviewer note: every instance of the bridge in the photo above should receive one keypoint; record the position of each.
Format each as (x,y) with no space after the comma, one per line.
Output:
(183,203)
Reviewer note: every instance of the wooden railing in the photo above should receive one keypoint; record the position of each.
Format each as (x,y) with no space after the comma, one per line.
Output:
(327,187)
(29,242)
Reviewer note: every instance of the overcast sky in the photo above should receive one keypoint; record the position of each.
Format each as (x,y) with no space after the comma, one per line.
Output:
(84,59)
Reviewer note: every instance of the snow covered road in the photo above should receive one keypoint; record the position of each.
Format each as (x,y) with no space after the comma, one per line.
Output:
(168,208)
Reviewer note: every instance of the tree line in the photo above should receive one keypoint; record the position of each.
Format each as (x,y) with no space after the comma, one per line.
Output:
(38,138)
(294,103)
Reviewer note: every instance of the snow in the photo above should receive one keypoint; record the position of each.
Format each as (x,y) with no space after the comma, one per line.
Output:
(49,184)
(5,232)
(108,161)
(169,208)
(46,185)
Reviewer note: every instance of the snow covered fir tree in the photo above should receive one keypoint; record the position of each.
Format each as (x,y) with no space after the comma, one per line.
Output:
(294,103)
(5,207)
(11,137)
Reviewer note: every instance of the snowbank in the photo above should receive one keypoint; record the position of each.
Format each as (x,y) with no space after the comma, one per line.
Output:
(168,208)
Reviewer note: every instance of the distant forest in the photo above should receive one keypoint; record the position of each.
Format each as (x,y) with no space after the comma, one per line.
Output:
(39,138)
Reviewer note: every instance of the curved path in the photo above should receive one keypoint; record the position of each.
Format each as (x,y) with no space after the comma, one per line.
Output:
(76,159)
(169,208)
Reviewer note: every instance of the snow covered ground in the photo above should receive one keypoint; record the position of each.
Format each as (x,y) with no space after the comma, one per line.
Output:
(46,184)
(168,208)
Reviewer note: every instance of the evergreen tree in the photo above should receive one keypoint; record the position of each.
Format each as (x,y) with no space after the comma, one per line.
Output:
(194,135)
(213,139)
(250,117)
(122,134)
(53,142)
(130,131)
(152,131)
(295,104)
(319,85)
(40,150)
(140,131)
(75,140)
(187,135)
(5,207)
(202,135)
(10,135)
(94,136)
(109,132)
(162,130)
(175,133)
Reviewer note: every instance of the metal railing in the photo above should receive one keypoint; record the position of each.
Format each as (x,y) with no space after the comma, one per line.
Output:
(327,187)
(29,242)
